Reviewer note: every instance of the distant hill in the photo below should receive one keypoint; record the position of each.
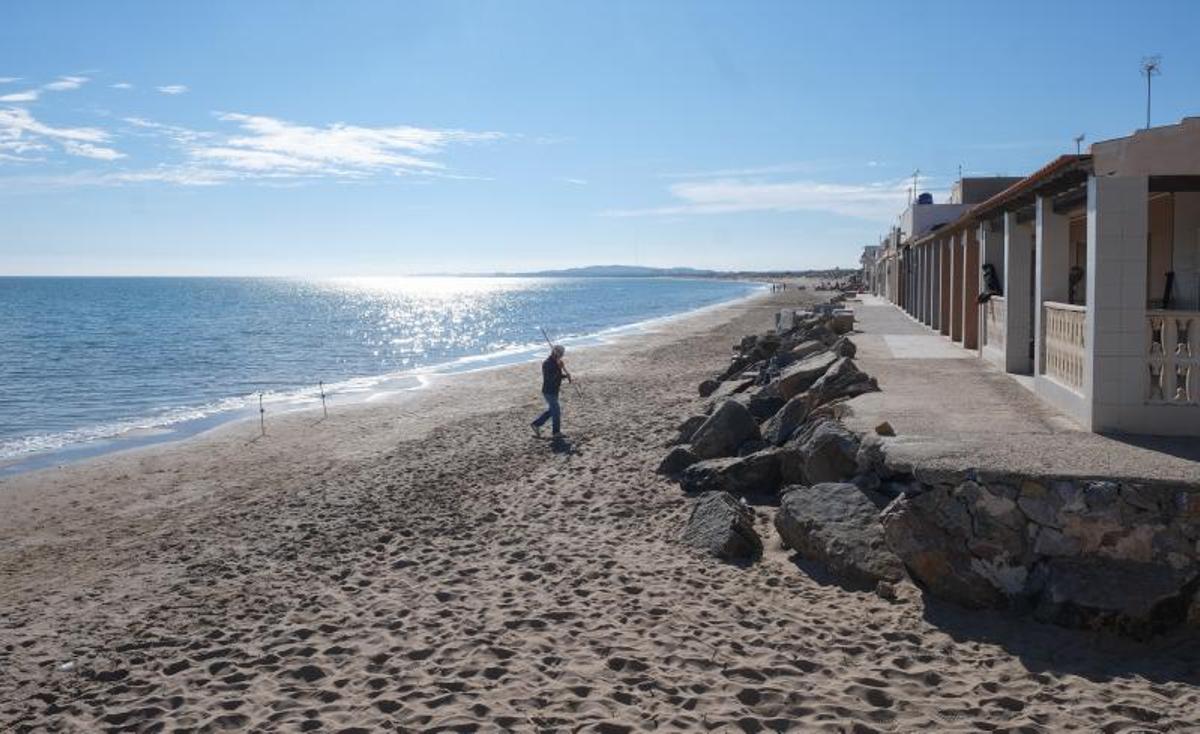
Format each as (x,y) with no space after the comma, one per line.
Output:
(638,271)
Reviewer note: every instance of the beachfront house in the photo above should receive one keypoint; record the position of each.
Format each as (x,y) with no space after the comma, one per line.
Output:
(1091,273)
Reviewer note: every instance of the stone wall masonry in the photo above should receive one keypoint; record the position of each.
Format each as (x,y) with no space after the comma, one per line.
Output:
(1079,552)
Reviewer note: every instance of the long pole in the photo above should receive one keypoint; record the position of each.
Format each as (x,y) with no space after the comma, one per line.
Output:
(262,415)
(547,338)
(1149,74)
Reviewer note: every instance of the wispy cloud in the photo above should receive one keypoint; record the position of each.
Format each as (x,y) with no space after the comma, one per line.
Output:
(575,181)
(19,128)
(879,201)
(27,96)
(87,150)
(257,148)
(66,83)
(121,85)
(270,145)
(172,89)
(9,79)
(176,133)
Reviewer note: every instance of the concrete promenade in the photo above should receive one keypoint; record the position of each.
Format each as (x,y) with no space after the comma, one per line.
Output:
(953,411)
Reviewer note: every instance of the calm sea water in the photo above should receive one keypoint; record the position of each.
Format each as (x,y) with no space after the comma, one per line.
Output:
(88,362)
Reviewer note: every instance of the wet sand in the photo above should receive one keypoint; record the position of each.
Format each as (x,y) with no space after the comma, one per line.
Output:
(425,563)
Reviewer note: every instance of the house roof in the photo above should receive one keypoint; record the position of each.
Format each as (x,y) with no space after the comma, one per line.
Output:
(1025,187)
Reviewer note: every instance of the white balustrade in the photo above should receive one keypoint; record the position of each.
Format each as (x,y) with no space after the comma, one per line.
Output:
(1066,354)
(1173,357)
(993,322)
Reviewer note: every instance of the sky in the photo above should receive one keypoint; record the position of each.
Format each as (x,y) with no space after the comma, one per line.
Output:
(389,138)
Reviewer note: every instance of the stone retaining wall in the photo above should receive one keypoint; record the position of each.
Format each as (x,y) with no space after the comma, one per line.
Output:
(1081,552)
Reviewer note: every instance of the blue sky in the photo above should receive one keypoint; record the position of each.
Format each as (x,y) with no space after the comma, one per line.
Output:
(360,138)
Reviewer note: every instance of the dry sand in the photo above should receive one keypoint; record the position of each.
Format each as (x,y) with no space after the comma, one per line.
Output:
(425,564)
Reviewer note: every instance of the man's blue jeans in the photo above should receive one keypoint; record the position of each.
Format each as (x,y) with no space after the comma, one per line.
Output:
(553,413)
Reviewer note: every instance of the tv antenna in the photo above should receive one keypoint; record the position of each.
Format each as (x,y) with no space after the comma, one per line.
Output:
(913,191)
(1151,67)
(1078,142)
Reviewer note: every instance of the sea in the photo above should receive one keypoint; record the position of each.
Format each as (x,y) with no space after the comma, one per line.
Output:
(90,364)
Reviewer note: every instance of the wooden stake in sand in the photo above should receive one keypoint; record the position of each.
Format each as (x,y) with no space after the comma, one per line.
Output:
(324,410)
(262,415)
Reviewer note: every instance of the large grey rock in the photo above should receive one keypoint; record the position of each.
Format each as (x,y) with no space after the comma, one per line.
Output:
(763,402)
(688,427)
(678,459)
(829,452)
(930,533)
(843,347)
(791,465)
(756,474)
(838,525)
(784,423)
(804,350)
(842,379)
(724,527)
(1137,599)
(802,375)
(765,346)
(736,365)
(842,321)
(727,428)
(729,388)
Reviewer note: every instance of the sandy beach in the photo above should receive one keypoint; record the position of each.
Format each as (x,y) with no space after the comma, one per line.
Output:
(424,563)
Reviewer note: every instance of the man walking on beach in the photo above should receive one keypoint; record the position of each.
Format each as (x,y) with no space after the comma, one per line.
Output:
(553,373)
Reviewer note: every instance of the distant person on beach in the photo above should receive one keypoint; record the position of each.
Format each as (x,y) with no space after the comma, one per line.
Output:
(553,372)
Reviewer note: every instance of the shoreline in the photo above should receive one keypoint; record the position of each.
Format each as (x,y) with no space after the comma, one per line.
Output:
(426,564)
(351,391)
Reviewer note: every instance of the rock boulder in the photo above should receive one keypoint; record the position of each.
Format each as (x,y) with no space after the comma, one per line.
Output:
(728,427)
(838,525)
(753,475)
(679,458)
(688,427)
(842,379)
(828,451)
(802,375)
(724,527)
(784,423)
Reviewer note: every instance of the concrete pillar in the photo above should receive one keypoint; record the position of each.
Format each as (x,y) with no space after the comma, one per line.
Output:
(935,262)
(1018,294)
(956,286)
(1118,379)
(918,282)
(930,284)
(947,289)
(919,290)
(971,277)
(909,264)
(1053,264)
